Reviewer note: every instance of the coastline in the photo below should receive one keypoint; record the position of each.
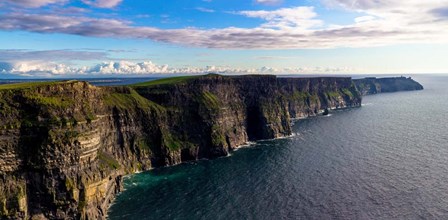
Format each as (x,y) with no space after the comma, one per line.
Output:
(120,131)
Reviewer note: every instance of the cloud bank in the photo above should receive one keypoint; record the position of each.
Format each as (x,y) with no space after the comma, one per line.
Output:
(385,22)
(52,69)
(53,55)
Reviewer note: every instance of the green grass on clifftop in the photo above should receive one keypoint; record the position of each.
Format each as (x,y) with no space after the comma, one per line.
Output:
(164,81)
(129,100)
(50,101)
(28,85)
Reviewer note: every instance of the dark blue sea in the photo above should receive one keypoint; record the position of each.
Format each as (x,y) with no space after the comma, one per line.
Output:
(385,160)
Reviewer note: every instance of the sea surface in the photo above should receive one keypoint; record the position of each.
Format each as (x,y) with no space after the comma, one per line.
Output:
(385,160)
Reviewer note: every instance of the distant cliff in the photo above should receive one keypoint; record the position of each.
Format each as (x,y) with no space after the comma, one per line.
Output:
(372,85)
(64,146)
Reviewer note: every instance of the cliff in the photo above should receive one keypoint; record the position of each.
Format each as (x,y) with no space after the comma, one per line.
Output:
(64,146)
(211,115)
(372,85)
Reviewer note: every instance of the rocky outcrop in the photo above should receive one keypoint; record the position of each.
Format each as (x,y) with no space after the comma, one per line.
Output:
(64,146)
(373,85)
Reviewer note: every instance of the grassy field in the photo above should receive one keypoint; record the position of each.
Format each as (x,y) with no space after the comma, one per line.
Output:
(130,100)
(27,85)
(170,80)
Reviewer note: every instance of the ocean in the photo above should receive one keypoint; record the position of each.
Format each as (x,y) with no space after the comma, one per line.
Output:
(385,160)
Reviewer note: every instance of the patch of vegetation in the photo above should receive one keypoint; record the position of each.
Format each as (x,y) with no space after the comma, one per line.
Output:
(107,160)
(69,135)
(361,86)
(139,166)
(3,209)
(165,81)
(82,204)
(314,98)
(21,192)
(142,144)
(5,108)
(130,100)
(90,117)
(209,100)
(69,184)
(347,92)
(333,94)
(216,136)
(28,85)
(49,101)
(171,142)
(175,144)
(300,95)
(13,125)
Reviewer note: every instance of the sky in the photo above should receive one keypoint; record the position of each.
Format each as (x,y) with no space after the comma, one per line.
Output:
(65,38)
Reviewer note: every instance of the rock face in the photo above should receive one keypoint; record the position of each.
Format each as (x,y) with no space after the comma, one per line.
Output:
(210,116)
(64,146)
(369,86)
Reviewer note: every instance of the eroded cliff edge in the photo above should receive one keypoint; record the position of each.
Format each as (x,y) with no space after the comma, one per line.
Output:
(64,146)
(373,85)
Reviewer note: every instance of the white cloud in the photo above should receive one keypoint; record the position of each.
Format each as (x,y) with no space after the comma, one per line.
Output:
(51,69)
(268,2)
(37,68)
(41,3)
(276,57)
(364,19)
(54,55)
(297,17)
(127,67)
(102,3)
(205,10)
(34,3)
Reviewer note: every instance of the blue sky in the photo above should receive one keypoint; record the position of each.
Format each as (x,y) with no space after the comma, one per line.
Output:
(60,38)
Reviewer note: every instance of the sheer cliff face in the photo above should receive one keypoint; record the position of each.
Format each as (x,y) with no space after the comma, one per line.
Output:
(64,146)
(369,86)
(216,114)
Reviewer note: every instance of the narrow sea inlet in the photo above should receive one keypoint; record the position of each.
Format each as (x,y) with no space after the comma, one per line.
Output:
(385,160)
